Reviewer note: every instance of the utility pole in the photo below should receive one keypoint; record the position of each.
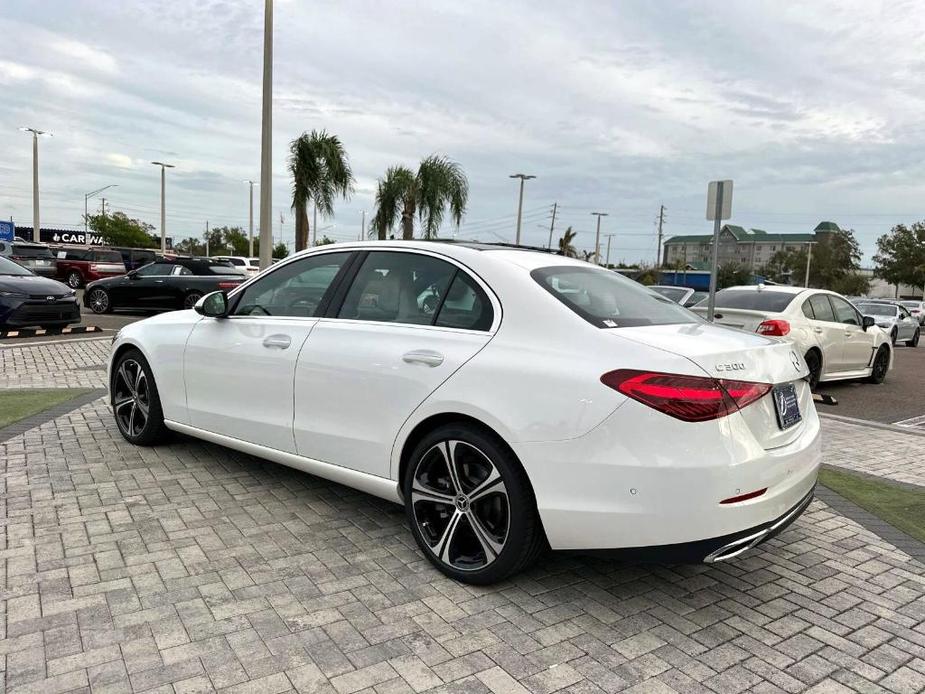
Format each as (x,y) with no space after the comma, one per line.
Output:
(607,262)
(314,224)
(36,222)
(597,237)
(809,257)
(520,201)
(250,228)
(363,226)
(207,238)
(163,204)
(661,220)
(552,224)
(103,208)
(89,195)
(266,141)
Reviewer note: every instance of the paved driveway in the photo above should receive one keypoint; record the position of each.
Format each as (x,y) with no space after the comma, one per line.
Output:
(190,567)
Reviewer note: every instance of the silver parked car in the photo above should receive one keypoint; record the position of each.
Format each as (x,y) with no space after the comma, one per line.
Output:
(893,318)
(685,296)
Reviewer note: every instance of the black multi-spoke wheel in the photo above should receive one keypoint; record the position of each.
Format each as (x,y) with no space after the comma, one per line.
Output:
(470,506)
(74,279)
(190,299)
(881,365)
(135,401)
(814,363)
(99,301)
(914,342)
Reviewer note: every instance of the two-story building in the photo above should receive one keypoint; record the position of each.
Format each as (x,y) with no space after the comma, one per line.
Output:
(752,248)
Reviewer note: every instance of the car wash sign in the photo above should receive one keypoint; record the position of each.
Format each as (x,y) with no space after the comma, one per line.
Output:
(7,231)
(76,237)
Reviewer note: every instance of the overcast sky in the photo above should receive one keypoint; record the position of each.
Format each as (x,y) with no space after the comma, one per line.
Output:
(815,109)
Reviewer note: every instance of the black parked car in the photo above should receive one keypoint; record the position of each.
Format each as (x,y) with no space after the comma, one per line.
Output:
(134,258)
(27,299)
(164,285)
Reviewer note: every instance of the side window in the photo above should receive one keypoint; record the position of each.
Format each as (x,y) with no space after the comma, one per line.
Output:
(822,309)
(398,288)
(182,270)
(296,289)
(156,269)
(465,306)
(844,312)
(808,310)
(903,313)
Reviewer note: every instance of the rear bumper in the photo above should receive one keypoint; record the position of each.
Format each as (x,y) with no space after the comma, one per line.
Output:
(711,550)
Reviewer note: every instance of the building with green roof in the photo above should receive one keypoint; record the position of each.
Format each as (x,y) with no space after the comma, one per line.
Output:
(753,248)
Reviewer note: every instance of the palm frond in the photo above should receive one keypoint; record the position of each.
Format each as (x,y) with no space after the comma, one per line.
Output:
(442,185)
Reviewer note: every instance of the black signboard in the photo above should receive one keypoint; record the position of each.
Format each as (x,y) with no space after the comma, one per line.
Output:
(71,237)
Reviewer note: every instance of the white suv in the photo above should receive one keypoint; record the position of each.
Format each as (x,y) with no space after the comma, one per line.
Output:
(837,342)
(242,264)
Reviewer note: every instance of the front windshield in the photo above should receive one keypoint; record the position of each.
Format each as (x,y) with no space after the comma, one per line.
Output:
(673,293)
(8,267)
(877,309)
(607,299)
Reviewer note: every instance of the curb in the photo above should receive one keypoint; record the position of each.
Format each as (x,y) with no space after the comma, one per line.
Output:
(41,332)
(873,425)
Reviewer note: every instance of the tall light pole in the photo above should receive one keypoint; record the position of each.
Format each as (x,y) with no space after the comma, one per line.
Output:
(607,262)
(597,237)
(36,222)
(163,204)
(363,227)
(250,227)
(266,141)
(520,201)
(91,194)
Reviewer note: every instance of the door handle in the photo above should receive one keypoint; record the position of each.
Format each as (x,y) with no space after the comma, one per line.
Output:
(277,341)
(423,356)
(818,331)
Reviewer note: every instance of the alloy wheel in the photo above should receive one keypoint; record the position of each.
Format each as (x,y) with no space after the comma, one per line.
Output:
(191,299)
(460,505)
(73,280)
(880,364)
(99,301)
(131,397)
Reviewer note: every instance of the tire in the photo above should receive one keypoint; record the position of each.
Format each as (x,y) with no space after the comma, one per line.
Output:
(893,336)
(99,302)
(134,397)
(190,299)
(814,362)
(881,364)
(74,279)
(914,342)
(473,540)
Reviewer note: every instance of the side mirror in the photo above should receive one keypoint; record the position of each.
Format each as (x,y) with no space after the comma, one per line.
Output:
(132,275)
(212,305)
(867,322)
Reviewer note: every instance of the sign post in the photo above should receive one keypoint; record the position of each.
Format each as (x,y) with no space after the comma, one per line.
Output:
(719,207)
(7,231)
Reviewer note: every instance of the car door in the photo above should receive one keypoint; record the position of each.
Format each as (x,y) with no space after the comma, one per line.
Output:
(239,370)
(907,324)
(381,351)
(142,288)
(829,333)
(858,343)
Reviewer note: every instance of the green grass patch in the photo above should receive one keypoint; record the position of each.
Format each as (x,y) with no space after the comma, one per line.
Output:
(899,506)
(19,404)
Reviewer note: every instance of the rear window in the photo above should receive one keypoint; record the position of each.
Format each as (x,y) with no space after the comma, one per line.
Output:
(21,251)
(107,256)
(673,293)
(211,268)
(754,300)
(607,299)
(877,309)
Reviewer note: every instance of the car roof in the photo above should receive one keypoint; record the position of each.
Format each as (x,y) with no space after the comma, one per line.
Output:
(782,288)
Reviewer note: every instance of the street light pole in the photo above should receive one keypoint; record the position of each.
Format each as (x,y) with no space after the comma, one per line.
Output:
(597,237)
(164,167)
(520,201)
(809,257)
(250,227)
(36,222)
(91,194)
(266,141)
(607,262)
(363,226)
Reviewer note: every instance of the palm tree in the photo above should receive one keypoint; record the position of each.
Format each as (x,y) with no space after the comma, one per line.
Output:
(565,244)
(320,173)
(439,185)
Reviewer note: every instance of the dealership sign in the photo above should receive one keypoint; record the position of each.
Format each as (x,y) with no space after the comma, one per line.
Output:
(76,237)
(7,231)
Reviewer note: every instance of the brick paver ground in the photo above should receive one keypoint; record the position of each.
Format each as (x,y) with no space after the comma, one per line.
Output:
(190,567)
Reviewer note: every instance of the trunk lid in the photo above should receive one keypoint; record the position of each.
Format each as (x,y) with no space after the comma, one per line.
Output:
(743,319)
(738,356)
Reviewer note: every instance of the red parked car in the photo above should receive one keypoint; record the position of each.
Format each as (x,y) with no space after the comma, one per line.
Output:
(78,265)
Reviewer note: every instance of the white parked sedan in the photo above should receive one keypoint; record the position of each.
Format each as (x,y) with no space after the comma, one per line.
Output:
(836,341)
(894,319)
(540,401)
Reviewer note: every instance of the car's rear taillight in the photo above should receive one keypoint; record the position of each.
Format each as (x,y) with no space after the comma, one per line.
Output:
(775,327)
(228,285)
(689,398)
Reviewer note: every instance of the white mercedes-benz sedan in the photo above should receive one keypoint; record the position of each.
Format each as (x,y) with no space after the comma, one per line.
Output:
(509,399)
